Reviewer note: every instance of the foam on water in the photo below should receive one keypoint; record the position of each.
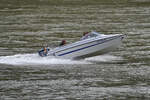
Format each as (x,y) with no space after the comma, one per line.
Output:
(34,59)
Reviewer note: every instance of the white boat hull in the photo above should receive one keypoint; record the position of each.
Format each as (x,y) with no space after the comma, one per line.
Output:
(89,47)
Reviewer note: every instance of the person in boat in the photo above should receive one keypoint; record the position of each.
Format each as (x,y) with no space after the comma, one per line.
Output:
(63,42)
(85,34)
(44,52)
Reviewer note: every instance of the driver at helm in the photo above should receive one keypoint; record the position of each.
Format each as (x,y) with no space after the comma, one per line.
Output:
(63,42)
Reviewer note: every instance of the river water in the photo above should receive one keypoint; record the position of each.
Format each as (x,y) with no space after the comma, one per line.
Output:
(27,25)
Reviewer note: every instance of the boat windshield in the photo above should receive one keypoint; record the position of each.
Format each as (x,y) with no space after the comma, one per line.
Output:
(90,35)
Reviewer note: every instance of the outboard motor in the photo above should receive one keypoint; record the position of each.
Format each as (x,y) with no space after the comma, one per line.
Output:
(43,52)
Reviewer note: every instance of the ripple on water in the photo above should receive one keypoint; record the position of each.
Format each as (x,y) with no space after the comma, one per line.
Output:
(26,25)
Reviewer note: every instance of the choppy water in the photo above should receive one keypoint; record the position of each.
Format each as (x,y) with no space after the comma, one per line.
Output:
(27,25)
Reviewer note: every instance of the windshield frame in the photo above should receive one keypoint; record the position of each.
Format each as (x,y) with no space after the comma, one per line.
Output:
(90,35)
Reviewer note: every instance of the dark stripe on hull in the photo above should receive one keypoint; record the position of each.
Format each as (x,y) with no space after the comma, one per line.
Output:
(87,47)
(104,39)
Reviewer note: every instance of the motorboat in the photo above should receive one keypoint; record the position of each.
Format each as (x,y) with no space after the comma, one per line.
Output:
(91,44)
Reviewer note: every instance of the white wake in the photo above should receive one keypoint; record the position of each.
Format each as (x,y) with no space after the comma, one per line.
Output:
(35,59)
